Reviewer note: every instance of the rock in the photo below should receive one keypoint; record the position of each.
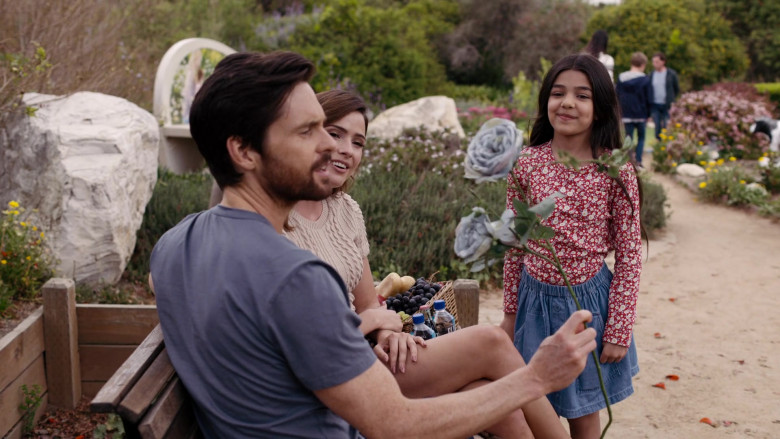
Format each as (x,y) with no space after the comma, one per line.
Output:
(88,163)
(433,112)
(691,170)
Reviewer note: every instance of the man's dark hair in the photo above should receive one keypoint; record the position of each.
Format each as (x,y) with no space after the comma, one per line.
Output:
(242,98)
(660,55)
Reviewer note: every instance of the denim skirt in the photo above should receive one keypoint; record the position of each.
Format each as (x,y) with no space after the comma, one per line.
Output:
(542,309)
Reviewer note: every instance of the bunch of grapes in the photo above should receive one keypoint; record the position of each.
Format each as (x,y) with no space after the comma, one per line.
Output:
(411,300)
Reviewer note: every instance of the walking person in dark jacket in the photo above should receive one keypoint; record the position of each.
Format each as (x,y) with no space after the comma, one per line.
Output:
(664,90)
(633,89)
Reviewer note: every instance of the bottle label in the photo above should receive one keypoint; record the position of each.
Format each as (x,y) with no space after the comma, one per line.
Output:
(444,325)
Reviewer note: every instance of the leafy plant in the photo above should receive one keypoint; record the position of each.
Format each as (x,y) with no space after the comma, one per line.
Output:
(174,197)
(112,426)
(654,203)
(33,396)
(25,262)
(411,192)
(733,186)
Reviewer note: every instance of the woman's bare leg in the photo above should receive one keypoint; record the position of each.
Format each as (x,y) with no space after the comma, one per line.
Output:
(477,353)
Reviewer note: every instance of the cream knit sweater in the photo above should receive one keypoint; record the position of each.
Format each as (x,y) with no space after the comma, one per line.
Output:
(338,237)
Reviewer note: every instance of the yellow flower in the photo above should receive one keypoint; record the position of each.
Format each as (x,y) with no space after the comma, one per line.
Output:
(710,163)
(742,182)
(28,258)
(15,212)
(721,162)
(13,204)
(732,159)
(663,130)
(677,125)
(34,228)
(42,235)
(663,148)
(674,164)
(671,137)
(702,185)
(662,136)
(701,143)
(699,153)
(703,163)
(23,224)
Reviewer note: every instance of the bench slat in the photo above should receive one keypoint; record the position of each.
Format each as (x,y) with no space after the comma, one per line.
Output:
(146,389)
(171,415)
(129,372)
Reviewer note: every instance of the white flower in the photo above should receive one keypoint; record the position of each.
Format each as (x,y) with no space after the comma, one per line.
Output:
(493,150)
(473,236)
(763,162)
(503,228)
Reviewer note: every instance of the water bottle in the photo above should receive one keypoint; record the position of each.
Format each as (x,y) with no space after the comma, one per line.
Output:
(420,328)
(443,321)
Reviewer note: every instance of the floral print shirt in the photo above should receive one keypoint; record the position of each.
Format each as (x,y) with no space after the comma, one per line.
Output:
(592,218)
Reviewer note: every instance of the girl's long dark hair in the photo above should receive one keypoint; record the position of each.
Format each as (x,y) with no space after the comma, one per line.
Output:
(606,132)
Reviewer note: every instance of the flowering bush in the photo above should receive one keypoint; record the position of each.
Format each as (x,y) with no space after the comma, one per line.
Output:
(440,152)
(24,260)
(716,120)
(474,117)
(493,150)
(732,185)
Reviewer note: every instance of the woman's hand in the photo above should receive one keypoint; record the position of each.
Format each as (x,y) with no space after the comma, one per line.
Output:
(380,318)
(396,348)
(612,353)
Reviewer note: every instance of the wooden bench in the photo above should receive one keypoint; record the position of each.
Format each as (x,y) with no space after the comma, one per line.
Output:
(152,402)
(148,395)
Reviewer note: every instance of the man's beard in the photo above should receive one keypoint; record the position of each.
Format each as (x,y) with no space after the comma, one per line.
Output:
(289,186)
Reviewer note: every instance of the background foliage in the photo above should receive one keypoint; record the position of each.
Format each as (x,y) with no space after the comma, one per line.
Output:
(697,41)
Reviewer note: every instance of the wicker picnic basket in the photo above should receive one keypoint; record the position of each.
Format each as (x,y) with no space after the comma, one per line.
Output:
(446,293)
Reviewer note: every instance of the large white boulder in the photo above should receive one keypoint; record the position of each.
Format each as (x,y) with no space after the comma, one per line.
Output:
(691,170)
(435,113)
(88,163)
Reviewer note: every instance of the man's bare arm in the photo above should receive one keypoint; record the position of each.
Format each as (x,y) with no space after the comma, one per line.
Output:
(367,400)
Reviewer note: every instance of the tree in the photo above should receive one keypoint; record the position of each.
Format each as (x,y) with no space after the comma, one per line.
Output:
(384,53)
(500,38)
(697,42)
(757,24)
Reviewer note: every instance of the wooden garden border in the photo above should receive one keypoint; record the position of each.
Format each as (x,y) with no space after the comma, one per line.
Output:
(68,350)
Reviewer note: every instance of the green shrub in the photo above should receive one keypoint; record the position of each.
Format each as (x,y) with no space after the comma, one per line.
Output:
(384,53)
(25,263)
(733,186)
(697,41)
(413,194)
(174,197)
(654,204)
(772,91)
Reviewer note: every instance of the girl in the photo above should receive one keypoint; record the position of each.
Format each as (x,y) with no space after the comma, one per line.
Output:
(334,230)
(597,46)
(578,117)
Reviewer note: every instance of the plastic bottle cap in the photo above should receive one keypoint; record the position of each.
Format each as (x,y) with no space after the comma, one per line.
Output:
(439,304)
(418,318)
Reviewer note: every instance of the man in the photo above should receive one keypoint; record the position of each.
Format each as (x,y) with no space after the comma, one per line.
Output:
(260,331)
(664,90)
(632,90)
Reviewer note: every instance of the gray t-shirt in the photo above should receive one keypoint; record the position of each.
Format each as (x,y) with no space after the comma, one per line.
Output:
(254,324)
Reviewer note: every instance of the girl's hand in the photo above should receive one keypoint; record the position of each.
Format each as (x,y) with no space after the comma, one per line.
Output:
(395,348)
(508,325)
(612,353)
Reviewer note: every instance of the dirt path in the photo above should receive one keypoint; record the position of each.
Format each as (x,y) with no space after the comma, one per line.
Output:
(708,312)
